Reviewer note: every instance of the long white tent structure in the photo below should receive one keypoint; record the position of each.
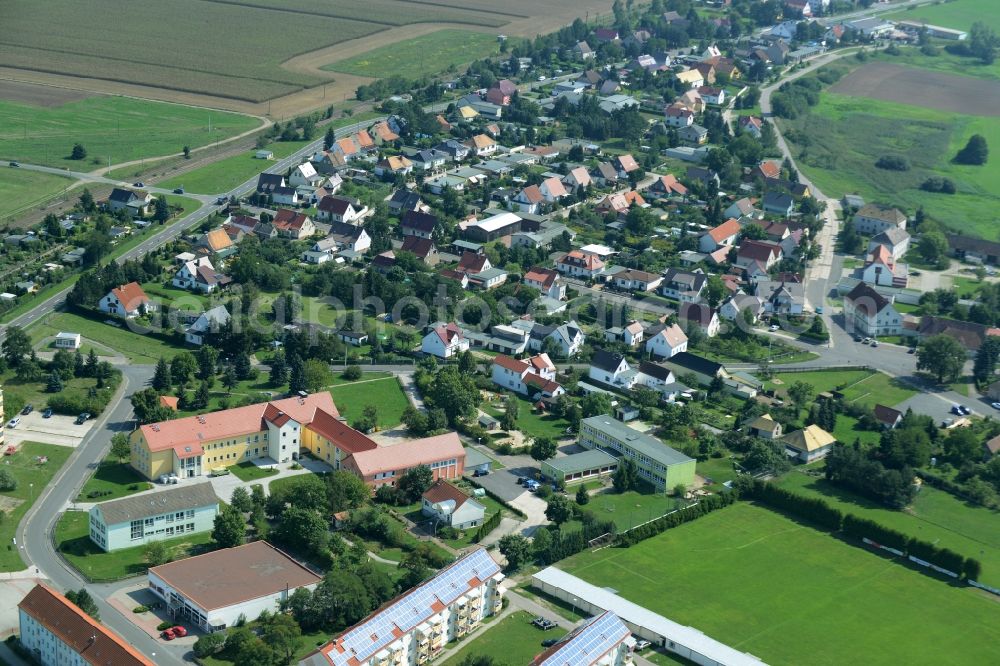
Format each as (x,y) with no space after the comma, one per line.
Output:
(685,641)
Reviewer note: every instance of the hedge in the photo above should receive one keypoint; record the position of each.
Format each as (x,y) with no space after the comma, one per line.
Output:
(673,519)
(491,524)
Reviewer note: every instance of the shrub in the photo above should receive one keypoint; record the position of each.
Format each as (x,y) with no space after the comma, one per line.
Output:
(352,373)
(164,625)
(7,480)
(893,163)
(938,184)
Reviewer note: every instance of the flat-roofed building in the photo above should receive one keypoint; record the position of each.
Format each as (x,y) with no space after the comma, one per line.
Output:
(213,590)
(493,227)
(415,627)
(665,468)
(58,633)
(578,467)
(154,516)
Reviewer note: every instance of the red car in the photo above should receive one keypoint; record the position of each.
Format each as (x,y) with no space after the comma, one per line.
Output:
(179,631)
(168,634)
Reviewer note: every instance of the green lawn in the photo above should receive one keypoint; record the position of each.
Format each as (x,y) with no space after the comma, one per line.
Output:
(114,477)
(512,640)
(957,14)
(119,128)
(719,470)
(877,389)
(385,394)
(531,423)
(227,173)
(630,508)
(246,389)
(847,431)
(821,380)
(32,477)
(414,58)
(839,141)
(966,287)
(934,516)
(21,190)
(72,536)
(789,594)
(138,348)
(247,471)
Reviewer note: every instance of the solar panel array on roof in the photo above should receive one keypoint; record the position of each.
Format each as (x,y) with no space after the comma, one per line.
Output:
(415,607)
(588,642)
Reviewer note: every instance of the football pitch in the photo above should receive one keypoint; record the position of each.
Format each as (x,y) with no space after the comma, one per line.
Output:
(790,594)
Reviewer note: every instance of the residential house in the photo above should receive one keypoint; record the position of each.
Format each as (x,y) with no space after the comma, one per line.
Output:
(577,178)
(656,463)
(619,202)
(546,281)
(580,265)
(418,223)
(970,334)
(872,219)
(798,190)
(606,34)
(55,631)
(778,203)
(780,297)
(706,177)
(703,370)
(724,235)
(693,134)
(707,71)
(63,340)
(683,286)
(304,174)
(701,315)
(482,145)
(457,150)
(887,417)
(678,116)
(393,165)
(668,186)
(208,322)
(218,242)
(635,280)
(666,341)
(415,627)
(423,248)
(712,95)
(764,252)
(529,200)
(493,227)
(444,341)
(741,208)
(632,335)
(582,51)
(867,312)
(624,165)
(200,275)
(691,99)
(894,239)
(140,519)
(564,340)
(691,78)
(501,92)
(881,269)
(738,304)
(293,225)
(447,505)
(215,590)
(127,301)
(429,160)
(764,427)
(809,444)
(403,200)
(534,377)
(752,125)
(351,237)
(605,175)
(137,203)
(612,369)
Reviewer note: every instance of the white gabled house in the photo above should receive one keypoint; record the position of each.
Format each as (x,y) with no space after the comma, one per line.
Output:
(304,174)
(444,341)
(532,377)
(666,341)
(127,301)
(207,322)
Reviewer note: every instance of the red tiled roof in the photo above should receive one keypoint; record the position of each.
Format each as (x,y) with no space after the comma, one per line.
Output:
(408,454)
(130,295)
(289,219)
(442,491)
(727,229)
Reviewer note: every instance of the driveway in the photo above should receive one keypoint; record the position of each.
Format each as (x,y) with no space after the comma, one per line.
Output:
(57,429)
(127,598)
(225,485)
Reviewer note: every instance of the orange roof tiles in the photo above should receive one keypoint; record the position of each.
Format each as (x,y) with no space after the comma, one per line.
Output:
(131,295)
(408,454)
(727,229)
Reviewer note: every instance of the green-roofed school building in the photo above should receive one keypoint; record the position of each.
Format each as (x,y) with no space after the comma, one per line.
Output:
(657,463)
(580,466)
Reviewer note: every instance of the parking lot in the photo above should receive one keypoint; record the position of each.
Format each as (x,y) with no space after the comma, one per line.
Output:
(56,429)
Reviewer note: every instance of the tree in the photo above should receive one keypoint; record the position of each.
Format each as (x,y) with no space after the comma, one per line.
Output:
(595,404)
(84,602)
(329,138)
(303,530)
(183,368)
(279,369)
(240,500)
(229,379)
(582,496)
(210,644)
(368,420)
(147,407)
(962,446)
(208,358)
(55,383)
(975,152)
(352,373)
(201,397)
(230,529)
(8,481)
(543,448)
(316,374)
(942,356)
(715,290)
(87,201)
(120,447)
(516,549)
(414,482)
(161,211)
(345,491)
(281,634)
(78,152)
(156,553)
(626,476)
(850,239)
(933,247)
(16,346)
(243,366)
(801,393)
(558,509)
(985,365)
(296,374)
(509,419)
(162,380)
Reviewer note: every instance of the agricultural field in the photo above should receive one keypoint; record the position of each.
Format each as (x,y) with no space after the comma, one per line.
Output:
(934,516)
(839,141)
(413,58)
(791,594)
(21,190)
(118,129)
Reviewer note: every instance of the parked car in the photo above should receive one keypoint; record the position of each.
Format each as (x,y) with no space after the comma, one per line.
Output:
(138,183)
(543,623)
(481,472)
(640,644)
(819,310)
(866,341)
(774,327)
(858,338)
(179,190)
(47,414)
(14,164)
(963,410)
(221,201)
(13,422)
(82,418)
(27,409)
(168,634)
(911,350)
(874,343)
(179,631)
(995,405)
(549,642)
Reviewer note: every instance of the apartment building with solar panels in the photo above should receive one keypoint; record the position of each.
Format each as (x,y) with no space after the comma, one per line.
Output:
(603,640)
(416,626)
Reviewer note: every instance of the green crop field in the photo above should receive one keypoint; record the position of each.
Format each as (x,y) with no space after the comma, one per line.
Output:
(385,394)
(119,128)
(790,594)
(934,516)
(414,57)
(21,190)
(838,143)
(221,48)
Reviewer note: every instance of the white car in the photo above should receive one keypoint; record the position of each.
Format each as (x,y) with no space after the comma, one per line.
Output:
(775,327)
(541,78)
(995,405)
(13,422)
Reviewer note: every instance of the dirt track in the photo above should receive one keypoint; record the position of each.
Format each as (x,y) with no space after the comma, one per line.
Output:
(920,87)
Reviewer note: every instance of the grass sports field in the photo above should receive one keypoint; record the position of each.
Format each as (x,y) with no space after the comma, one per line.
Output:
(21,190)
(790,594)
(934,516)
(838,143)
(384,393)
(414,57)
(119,128)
